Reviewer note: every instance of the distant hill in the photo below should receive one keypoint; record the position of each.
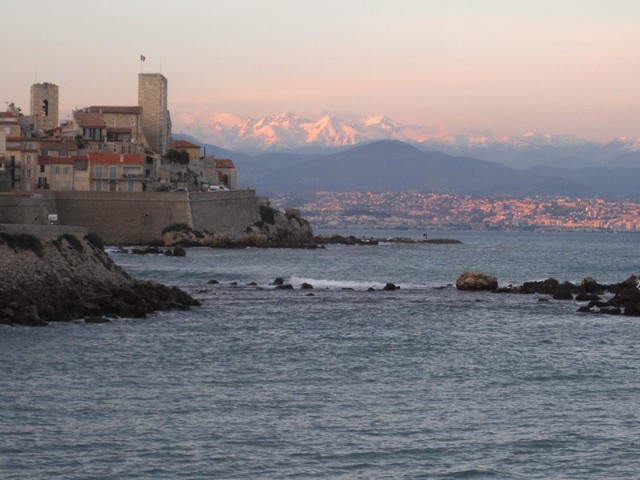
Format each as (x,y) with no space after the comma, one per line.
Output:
(396,166)
(391,165)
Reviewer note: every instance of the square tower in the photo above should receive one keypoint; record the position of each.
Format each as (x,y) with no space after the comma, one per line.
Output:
(44,105)
(152,97)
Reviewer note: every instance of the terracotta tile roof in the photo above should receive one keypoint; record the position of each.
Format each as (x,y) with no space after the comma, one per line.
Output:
(224,163)
(184,144)
(97,158)
(86,119)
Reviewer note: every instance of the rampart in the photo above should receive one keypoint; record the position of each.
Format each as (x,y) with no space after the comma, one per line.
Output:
(132,218)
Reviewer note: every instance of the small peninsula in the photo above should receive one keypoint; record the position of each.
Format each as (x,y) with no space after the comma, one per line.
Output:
(54,274)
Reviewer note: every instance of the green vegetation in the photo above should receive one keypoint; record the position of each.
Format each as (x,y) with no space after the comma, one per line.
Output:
(177,227)
(22,241)
(73,241)
(94,240)
(177,156)
(267,214)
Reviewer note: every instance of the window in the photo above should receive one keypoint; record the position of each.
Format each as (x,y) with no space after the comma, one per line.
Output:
(67,185)
(113,170)
(29,159)
(41,168)
(65,170)
(98,172)
(27,173)
(56,170)
(130,186)
(56,184)
(98,185)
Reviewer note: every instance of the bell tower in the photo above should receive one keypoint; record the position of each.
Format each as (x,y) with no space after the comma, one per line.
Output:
(44,105)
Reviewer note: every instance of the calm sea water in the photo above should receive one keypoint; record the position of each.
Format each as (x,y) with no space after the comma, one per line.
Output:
(422,382)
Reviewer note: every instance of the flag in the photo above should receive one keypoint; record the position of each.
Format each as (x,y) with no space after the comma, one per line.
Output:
(142,58)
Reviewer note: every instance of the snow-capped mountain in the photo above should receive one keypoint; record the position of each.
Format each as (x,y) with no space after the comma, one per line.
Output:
(289,132)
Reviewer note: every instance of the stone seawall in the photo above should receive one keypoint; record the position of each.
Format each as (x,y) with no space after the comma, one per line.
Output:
(131,218)
(20,208)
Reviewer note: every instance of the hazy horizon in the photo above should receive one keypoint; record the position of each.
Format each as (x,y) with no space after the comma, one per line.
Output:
(462,66)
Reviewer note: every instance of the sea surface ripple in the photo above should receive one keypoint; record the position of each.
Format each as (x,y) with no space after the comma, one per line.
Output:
(338,382)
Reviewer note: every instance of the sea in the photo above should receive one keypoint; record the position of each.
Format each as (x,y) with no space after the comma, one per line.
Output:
(339,381)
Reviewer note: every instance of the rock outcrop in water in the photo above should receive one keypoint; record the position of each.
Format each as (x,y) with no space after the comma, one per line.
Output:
(68,277)
(276,229)
(625,299)
(476,281)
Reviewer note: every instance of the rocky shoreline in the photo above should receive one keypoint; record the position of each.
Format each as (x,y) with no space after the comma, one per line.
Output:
(70,277)
(613,299)
(353,240)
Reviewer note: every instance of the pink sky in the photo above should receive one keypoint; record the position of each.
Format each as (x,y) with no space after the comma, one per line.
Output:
(570,67)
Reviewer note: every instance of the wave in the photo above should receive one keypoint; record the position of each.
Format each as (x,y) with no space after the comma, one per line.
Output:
(320,283)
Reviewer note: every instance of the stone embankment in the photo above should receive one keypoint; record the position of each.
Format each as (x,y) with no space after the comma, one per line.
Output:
(614,298)
(49,275)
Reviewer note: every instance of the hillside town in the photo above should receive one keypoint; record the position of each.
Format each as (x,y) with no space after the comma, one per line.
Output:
(103,148)
(419,210)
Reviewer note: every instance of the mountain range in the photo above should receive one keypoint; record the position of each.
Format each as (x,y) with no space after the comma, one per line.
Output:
(391,165)
(289,133)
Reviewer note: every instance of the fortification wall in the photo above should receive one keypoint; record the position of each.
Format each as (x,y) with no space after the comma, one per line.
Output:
(227,213)
(22,208)
(134,218)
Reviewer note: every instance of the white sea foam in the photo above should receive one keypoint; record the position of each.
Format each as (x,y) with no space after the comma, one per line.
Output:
(340,284)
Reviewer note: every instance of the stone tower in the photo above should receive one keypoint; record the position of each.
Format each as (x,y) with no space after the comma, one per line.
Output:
(152,97)
(44,105)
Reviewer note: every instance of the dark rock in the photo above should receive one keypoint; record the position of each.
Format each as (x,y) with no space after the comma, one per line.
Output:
(179,252)
(29,317)
(390,287)
(476,281)
(213,282)
(306,286)
(584,309)
(371,289)
(278,281)
(347,289)
(97,320)
(284,287)
(545,286)
(147,251)
(589,285)
(563,292)
(610,310)
(587,297)
(252,284)
(168,253)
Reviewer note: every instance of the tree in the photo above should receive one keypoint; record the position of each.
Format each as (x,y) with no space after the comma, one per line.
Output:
(177,156)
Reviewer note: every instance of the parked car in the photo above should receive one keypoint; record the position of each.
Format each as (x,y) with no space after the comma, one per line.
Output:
(218,188)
